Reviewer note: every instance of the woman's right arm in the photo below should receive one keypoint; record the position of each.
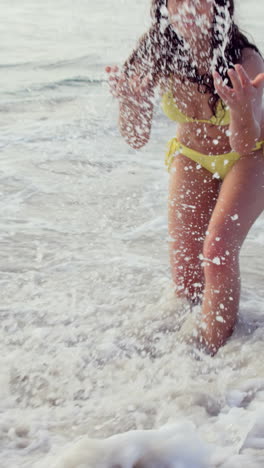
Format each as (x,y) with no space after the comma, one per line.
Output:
(135,120)
(135,106)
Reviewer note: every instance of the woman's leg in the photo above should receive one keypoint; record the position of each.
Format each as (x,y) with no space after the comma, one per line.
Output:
(240,202)
(192,196)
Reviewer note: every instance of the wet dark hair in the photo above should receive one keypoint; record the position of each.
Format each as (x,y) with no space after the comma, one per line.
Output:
(161,52)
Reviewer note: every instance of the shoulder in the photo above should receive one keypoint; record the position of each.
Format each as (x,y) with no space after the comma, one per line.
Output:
(252,62)
(249,53)
(165,84)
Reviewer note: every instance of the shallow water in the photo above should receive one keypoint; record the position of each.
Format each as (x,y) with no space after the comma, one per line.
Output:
(89,335)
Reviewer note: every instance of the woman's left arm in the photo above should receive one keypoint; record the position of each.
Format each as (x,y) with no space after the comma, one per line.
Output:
(244,101)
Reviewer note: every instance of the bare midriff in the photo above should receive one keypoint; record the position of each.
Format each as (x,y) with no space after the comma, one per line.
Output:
(200,136)
(203,137)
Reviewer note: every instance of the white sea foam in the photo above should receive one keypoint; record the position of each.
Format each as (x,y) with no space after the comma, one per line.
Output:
(177,446)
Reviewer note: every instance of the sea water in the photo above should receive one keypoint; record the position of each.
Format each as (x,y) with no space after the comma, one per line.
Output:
(92,373)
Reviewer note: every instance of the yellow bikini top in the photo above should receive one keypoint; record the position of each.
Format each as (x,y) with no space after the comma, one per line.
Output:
(170,109)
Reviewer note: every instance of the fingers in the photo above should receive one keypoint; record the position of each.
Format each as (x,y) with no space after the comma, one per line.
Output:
(235,79)
(113,69)
(239,77)
(118,85)
(258,81)
(114,79)
(226,93)
(244,78)
(122,86)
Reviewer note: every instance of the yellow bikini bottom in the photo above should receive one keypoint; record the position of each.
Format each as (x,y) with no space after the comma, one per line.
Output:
(218,164)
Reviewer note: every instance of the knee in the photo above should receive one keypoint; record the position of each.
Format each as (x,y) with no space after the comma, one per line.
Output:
(219,250)
(185,262)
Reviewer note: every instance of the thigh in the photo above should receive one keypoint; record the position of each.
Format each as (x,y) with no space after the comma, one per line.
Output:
(193,193)
(240,201)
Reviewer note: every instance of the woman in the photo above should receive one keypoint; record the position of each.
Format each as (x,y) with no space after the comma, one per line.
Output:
(211,80)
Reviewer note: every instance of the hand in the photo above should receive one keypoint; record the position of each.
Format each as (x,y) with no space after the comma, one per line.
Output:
(123,87)
(244,91)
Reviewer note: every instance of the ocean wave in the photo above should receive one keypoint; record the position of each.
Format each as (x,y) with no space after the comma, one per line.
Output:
(85,60)
(67,82)
(55,85)
(75,81)
(16,65)
(76,61)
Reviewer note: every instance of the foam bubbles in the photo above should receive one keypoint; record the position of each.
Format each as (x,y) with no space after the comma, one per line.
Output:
(170,447)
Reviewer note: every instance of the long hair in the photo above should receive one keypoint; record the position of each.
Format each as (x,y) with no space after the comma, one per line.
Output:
(161,52)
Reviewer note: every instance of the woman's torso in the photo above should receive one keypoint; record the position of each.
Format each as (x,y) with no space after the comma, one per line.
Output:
(204,137)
